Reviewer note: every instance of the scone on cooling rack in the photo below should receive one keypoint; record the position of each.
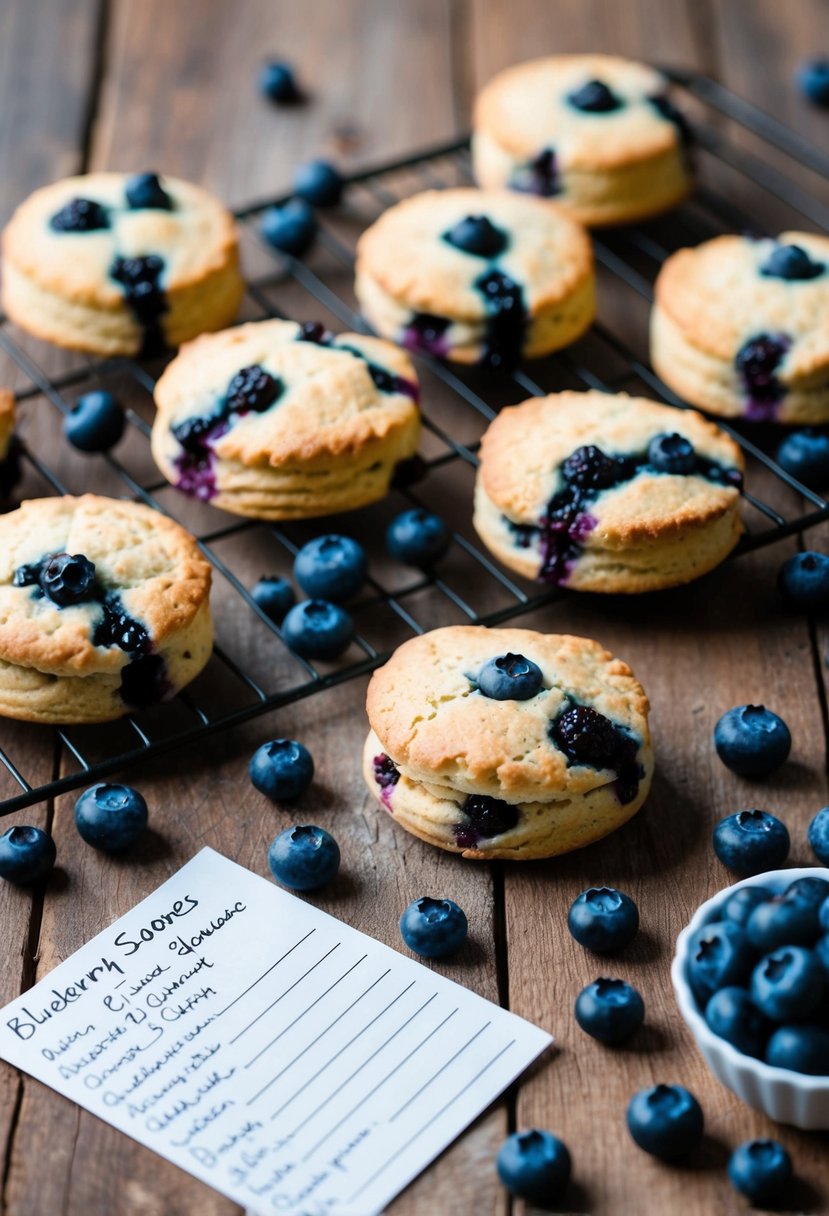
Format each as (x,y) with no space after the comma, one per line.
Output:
(505,743)
(476,276)
(103,609)
(740,327)
(605,492)
(119,265)
(9,461)
(598,133)
(279,420)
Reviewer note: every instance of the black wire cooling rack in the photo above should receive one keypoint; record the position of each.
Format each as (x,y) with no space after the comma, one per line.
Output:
(746,163)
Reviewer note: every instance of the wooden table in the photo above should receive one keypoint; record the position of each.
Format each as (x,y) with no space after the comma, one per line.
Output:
(134,84)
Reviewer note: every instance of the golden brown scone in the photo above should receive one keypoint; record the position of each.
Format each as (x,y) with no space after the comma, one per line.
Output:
(124,623)
(571,490)
(740,327)
(86,270)
(421,281)
(596,132)
(550,768)
(285,421)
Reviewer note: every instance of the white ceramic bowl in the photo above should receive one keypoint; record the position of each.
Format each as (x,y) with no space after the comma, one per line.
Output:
(787,1097)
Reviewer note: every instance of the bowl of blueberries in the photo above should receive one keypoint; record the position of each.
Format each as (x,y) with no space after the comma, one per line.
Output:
(751,977)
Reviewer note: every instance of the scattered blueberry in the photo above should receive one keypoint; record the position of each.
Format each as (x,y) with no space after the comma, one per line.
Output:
(595,98)
(731,1014)
(304,858)
(801,1049)
(534,1165)
(110,817)
(80,215)
(603,920)
(417,537)
(476,234)
(274,596)
(290,228)
(67,578)
(751,740)
(331,568)
(761,1170)
(672,454)
(510,677)
(805,454)
(281,769)
(813,79)
(719,956)
(751,842)
(316,629)
(319,183)
(278,82)
(27,854)
(739,906)
(819,836)
(789,985)
(609,1010)
(665,1121)
(783,921)
(792,263)
(95,423)
(803,581)
(433,927)
(145,191)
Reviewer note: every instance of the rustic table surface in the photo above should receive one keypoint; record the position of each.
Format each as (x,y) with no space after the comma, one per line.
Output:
(134,84)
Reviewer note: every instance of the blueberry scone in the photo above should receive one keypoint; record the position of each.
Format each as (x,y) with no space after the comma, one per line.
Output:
(279,420)
(507,743)
(597,133)
(119,265)
(605,492)
(103,609)
(476,276)
(740,327)
(9,458)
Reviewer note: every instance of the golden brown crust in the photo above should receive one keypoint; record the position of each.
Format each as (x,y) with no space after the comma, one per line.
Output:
(8,413)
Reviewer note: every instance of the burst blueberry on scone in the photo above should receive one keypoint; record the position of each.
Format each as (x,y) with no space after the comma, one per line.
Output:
(104,609)
(119,265)
(598,133)
(476,276)
(605,492)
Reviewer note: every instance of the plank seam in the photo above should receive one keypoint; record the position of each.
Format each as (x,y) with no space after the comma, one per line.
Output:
(97,75)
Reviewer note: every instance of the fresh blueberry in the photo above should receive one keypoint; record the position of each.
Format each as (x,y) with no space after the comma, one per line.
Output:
(110,817)
(813,79)
(304,858)
(731,1014)
(331,568)
(316,629)
(792,263)
(278,82)
(290,228)
(720,955)
(811,890)
(603,920)
(281,769)
(789,984)
(739,906)
(823,916)
(417,537)
(145,192)
(803,581)
(589,468)
(433,927)
(534,1165)
(609,1010)
(80,215)
(783,921)
(510,677)
(595,98)
(476,234)
(275,596)
(672,454)
(800,1049)
(805,454)
(665,1121)
(751,740)
(822,947)
(751,842)
(819,836)
(67,578)
(27,854)
(95,423)
(319,183)
(761,1170)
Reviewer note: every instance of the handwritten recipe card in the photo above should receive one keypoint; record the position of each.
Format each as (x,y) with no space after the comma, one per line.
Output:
(291,1062)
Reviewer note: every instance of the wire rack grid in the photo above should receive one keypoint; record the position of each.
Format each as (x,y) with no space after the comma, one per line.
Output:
(631,256)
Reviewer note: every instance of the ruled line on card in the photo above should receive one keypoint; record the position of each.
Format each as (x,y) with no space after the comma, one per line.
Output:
(268,1008)
(439,1072)
(250,987)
